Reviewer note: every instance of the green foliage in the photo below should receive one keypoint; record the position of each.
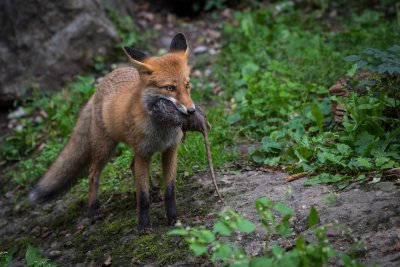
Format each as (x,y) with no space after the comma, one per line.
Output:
(276,69)
(57,115)
(275,218)
(46,118)
(34,259)
(129,33)
(6,257)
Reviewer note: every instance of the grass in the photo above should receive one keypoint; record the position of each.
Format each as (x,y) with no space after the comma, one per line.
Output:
(276,68)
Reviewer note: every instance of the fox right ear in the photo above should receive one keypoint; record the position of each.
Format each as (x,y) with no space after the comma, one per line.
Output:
(137,59)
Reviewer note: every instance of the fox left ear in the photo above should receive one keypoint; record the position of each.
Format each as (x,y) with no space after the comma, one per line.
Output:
(137,59)
(179,44)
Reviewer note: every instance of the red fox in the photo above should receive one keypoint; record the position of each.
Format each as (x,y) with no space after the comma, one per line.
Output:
(119,112)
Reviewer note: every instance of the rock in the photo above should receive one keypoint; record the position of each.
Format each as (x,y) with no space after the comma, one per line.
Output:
(200,49)
(45,43)
(18,113)
(54,254)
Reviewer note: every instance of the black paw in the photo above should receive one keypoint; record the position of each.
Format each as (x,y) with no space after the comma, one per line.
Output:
(172,220)
(95,213)
(145,230)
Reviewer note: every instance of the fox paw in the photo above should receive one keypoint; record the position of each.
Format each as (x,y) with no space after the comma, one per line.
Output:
(96,213)
(172,220)
(145,230)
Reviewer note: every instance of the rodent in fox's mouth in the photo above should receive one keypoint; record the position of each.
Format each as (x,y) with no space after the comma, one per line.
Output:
(165,112)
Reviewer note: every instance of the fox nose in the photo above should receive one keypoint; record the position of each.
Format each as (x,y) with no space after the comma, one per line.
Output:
(191,110)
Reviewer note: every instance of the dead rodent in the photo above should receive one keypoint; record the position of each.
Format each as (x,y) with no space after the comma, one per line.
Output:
(164,112)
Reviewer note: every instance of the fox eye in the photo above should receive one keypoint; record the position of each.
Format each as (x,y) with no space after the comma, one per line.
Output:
(187,86)
(171,88)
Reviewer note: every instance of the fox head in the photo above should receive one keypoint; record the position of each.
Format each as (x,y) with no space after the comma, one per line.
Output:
(165,76)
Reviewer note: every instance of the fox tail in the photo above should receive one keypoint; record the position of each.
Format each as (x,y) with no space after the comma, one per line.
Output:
(71,164)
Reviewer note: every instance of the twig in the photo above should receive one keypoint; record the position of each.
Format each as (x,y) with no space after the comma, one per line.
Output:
(295,177)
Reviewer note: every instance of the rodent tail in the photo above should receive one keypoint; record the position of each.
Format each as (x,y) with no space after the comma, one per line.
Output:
(71,164)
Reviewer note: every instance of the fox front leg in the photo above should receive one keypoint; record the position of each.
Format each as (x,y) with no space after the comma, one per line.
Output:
(169,164)
(141,169)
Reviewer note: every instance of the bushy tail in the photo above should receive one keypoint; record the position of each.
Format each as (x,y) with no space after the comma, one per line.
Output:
(71,164)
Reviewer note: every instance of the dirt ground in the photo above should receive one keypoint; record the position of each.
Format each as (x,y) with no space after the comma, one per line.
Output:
(62,231)
(367,213)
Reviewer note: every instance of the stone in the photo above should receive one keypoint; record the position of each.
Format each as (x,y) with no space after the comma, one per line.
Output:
(200,49)
(45,43)
(54,254)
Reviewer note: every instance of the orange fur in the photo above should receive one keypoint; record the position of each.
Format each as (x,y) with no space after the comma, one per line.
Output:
(117,113)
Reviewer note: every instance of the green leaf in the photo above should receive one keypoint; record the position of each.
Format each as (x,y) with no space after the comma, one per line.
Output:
(283,209)
(258,156)
(6,257)
(198,249)
(234,118)
(350,73)
(245,226)
(222,229)
(206,236)
(361,177)
(318,116)
(389,165)
(300,243)
(272,161)
(364,162)
(313,217)
(222,251)
(263,202)
(261,262)
(364,142)
(249,68)
(352,58)
(283,228)
(325,178)
(33,258)
(178,232)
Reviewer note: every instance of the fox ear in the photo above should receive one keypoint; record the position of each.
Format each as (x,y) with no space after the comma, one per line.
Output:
(179,44)
(137,57)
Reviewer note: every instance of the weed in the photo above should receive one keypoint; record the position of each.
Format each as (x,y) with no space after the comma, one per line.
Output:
(129,33)
(275,71)
(34,259)
(275,218)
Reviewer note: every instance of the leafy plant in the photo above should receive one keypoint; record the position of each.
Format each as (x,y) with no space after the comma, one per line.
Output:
(276,71)
(275,218)
(6,258)
(129,33)
(34,259)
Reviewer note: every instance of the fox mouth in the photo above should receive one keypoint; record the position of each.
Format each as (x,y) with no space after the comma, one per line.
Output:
(180,107)
(151,98)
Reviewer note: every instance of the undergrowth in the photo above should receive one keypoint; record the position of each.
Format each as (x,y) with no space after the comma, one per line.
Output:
(220,246)
(276,66)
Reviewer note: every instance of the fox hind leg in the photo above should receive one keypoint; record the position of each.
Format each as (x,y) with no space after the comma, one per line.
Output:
(101,153)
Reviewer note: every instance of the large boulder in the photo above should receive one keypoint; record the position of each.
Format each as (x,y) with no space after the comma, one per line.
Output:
(44,43)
